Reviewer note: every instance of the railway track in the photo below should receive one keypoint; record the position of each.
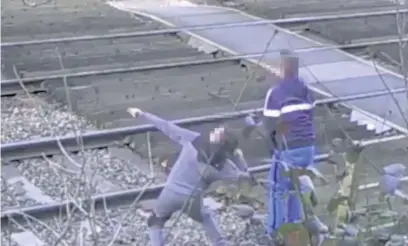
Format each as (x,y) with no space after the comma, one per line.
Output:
(167,73)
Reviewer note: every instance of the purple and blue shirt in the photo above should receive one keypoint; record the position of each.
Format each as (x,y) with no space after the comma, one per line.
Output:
(291,102)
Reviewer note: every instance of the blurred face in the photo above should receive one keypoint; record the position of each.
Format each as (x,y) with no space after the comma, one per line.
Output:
(216,135)
(282,67)
(289,66)
(285,67)
(222,145)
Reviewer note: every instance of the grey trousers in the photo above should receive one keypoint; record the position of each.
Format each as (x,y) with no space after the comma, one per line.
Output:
(169,202)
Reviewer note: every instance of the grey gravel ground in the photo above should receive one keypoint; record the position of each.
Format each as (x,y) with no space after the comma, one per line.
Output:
(57,176)
(29,118)
(126,225)
(23,120)
(132,227)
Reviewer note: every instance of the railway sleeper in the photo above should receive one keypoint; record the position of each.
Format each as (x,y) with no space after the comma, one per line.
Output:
(71,73)
(90,47)
(77,32)
(369,27)
(112,94)
(153,56)
(101,64)
(56,12)
(80,23)
(124,122)
(216,92)
(186,106)
(290,8)
(171,74)
(75,29)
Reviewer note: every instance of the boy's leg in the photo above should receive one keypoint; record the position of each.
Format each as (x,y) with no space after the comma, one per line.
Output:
(156,224)
(167,203)
(276,199)
(301,158)
(295,208)
(202,215)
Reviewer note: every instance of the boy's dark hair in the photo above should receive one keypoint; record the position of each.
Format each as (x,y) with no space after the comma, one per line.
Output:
(215,154)
(285,52)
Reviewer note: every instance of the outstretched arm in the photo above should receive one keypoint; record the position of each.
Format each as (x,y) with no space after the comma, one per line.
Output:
(174,132)
(230,173)
(239,160)
(271,113)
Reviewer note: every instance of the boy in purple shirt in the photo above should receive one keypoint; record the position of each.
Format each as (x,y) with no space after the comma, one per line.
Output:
(288,118)
(204,159)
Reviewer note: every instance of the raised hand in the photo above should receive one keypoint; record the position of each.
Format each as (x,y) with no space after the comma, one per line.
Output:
(134,112)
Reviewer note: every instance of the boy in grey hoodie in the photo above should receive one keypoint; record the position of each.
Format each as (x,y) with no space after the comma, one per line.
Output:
(204,159)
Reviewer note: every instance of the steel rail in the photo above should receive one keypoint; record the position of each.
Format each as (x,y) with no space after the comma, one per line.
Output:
(103,138)
(295,20)
(34,84)
(365,143)
(99,201)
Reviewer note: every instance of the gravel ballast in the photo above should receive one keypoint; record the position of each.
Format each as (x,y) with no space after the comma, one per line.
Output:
(14,195)
(31,117)
(60,178)
(121,226)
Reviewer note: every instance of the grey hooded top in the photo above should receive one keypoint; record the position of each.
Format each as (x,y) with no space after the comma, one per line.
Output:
(188,174)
